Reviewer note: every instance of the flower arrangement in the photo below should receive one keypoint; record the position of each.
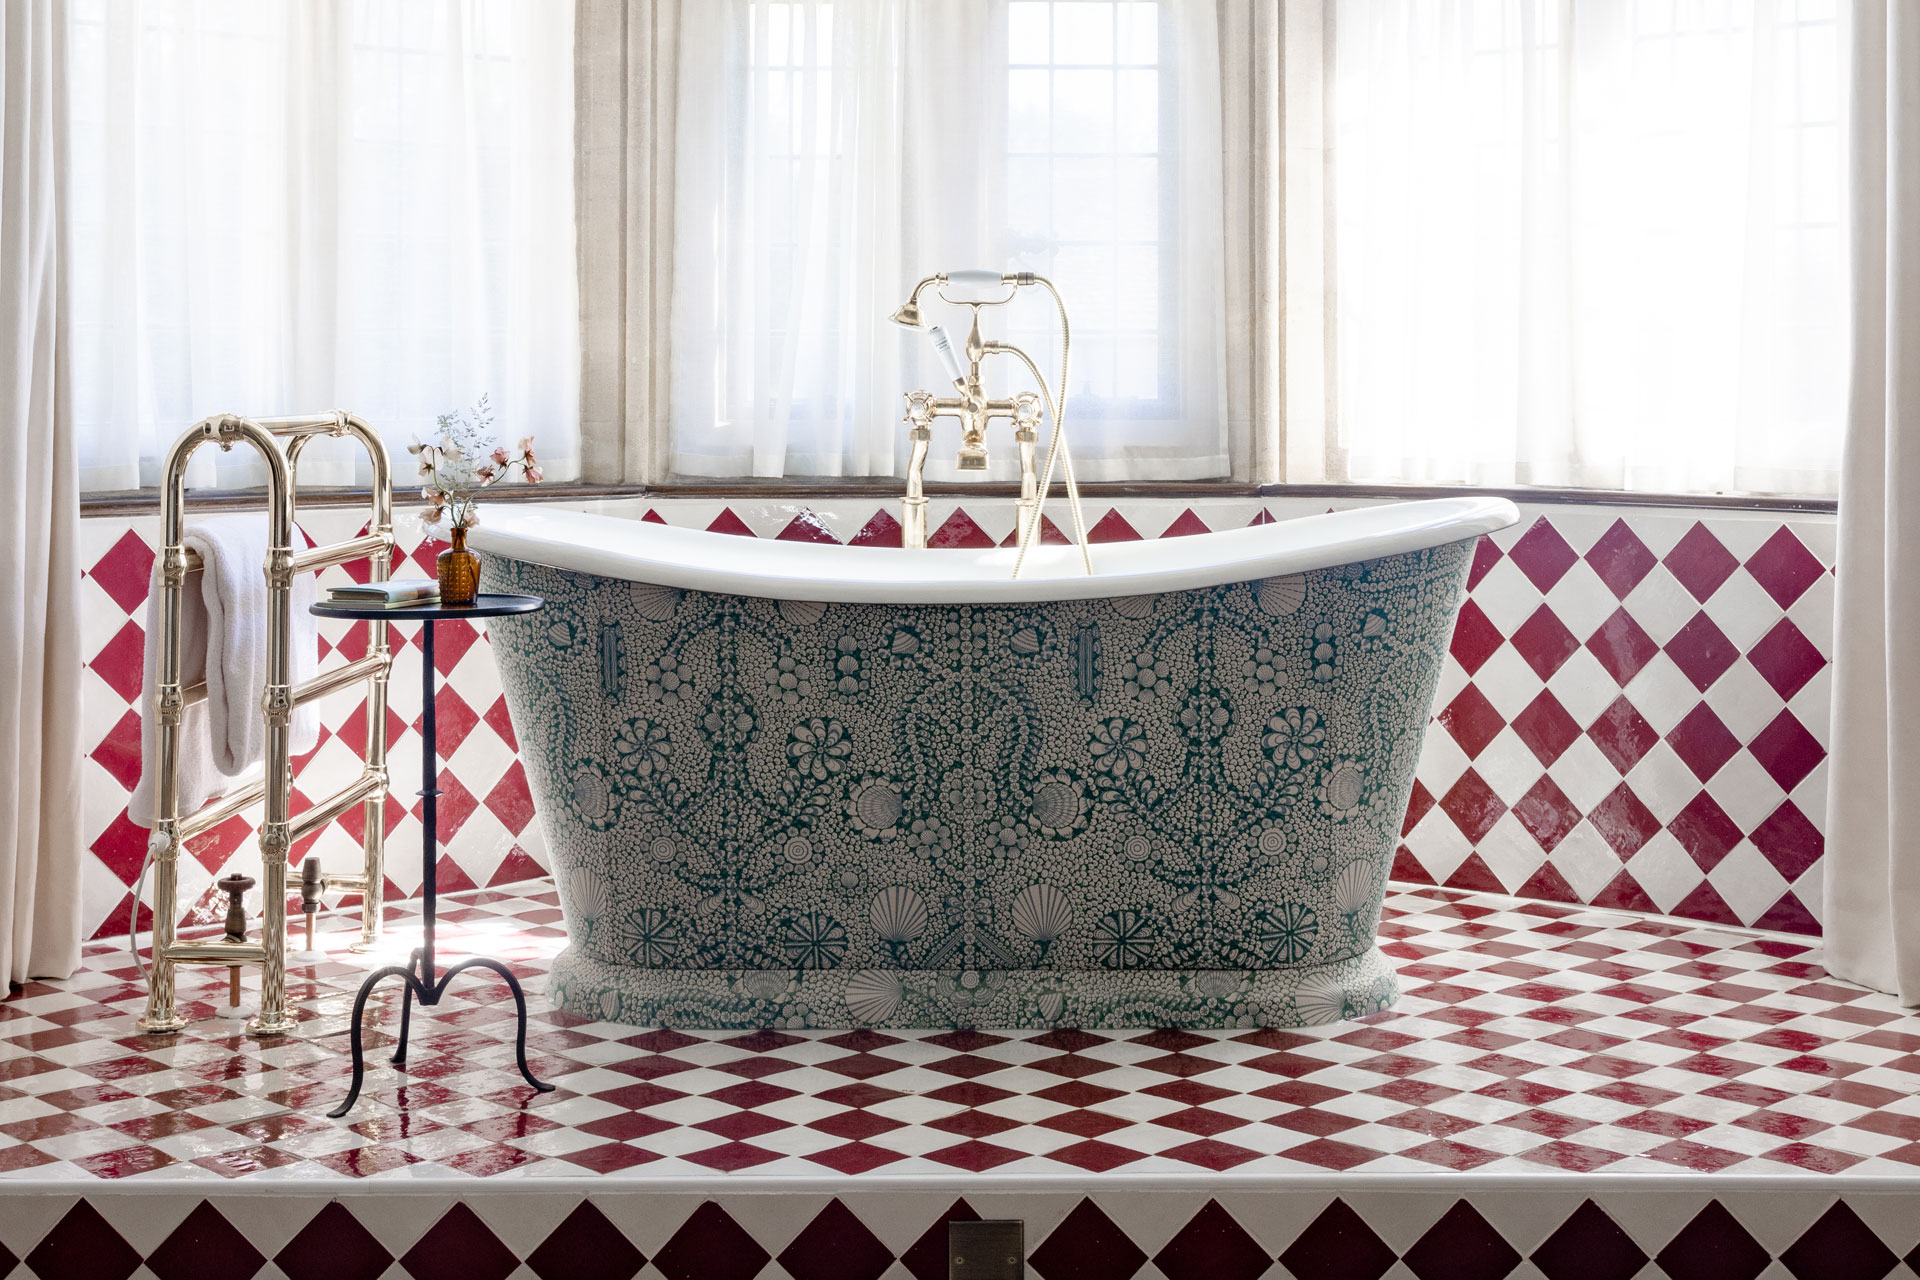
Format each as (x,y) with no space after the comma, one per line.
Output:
(461,461)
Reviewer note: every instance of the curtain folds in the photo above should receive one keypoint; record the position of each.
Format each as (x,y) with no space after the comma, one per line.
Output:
(315,204)
(1590,243)
(40,753)
(829,153)
(1872,883)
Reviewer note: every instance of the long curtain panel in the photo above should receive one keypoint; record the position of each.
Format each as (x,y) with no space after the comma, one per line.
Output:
(829,153)
(1590,242)
(311,204)
(40,755)
(1872,866)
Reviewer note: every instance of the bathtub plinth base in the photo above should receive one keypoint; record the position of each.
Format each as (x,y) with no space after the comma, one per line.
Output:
(1021,998)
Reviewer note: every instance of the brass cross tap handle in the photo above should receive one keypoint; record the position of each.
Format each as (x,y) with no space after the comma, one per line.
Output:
(235,887)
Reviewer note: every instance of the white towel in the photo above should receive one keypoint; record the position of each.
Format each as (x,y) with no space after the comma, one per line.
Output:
(223,640)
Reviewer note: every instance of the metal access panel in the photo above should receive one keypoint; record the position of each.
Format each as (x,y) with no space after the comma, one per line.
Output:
(994,1250)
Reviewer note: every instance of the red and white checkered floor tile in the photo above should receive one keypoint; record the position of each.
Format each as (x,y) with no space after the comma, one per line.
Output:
(1531,1036)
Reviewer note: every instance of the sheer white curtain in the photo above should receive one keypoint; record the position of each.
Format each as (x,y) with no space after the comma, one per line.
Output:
(829,153)
(1591,242)
(315,204)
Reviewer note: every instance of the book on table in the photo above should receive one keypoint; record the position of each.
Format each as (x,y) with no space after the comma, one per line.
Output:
(397,593)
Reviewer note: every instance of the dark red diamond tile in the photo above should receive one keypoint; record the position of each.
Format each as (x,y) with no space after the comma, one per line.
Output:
(1543,555)
(807,527)
(1087,1243)
(1789,841)
(1474,638)
(1486,554)
(1714,1245)
(1705,831)
(1622,734)
(1338,1245)
(119,662)
(1589,1245)
(1112,527)
(1622,646)
(855,1157)
(927,1258)
(1330,1153)
(1546,813)
(710,1245)
(83,1243)
(1462,1245)
(125,572)
(1786,659)
(881,531)
(1703,741)
(1787,751)
(1212,1246)
(1186,524)
(1472,721)
(975,1156)
(586,1247)
(1789,915)
(1095,1156)
(1784,567)
(836,1245)
(1544,642)
(1623,821)
(959,530)
(1620,559)
(1546,728)
(1700,562)
(333,1246)
(1472,805)
(459,1247)
(727,522)
(119,752)
(1702,651)
(1419,800)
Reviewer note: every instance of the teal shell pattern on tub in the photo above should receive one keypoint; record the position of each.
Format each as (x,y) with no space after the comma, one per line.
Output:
(1172,810)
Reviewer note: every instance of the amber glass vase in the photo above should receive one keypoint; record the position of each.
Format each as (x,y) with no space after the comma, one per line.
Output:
(459,572)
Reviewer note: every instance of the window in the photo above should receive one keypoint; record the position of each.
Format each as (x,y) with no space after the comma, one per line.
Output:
(282,208)
(828,155)
(1590,243)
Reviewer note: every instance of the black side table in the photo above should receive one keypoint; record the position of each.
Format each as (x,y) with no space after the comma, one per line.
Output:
(422,982)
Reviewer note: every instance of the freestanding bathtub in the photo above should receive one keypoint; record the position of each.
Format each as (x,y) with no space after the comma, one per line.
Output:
(793,785)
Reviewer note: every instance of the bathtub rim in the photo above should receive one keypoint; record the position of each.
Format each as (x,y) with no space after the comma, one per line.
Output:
(633,550)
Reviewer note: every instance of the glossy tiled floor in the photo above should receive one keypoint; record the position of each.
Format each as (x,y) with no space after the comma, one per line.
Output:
(1530,1037)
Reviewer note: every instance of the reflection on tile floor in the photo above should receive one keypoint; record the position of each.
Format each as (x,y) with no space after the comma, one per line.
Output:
(1530,1036)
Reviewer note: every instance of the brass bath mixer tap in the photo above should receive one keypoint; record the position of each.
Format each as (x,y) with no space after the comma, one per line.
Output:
(976,411)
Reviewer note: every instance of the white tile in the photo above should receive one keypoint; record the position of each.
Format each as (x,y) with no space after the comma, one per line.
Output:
(1665,871)
(1813,613)
(1663,782)
(1743,700)
(1813,705)
(1661,605)
(1583,687)
(1508,682)
(1745,790)
(1662,693)
(1747,881)
(1508,765)
(1441,761)
(1438,845)
(1584,774)
(1510,852)
(1581,601)
(1743,610)
(1507,596)
(1585,860)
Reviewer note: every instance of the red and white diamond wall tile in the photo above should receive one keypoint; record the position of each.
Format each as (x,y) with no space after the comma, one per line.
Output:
(1634,713)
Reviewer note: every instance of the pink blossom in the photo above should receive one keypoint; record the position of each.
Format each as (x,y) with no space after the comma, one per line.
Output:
(500,455)
(485,474)
(526,444)
(535,475)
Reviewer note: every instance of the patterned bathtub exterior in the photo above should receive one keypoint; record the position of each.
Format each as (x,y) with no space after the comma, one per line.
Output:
(1171,810)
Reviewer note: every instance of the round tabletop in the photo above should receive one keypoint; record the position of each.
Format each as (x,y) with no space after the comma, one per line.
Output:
(485,605)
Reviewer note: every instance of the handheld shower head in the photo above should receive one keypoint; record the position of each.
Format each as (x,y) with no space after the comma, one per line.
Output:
(909,314)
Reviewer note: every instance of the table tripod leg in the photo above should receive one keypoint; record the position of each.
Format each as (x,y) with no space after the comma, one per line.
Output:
(519,1008)
(406,1013)
(359,1052)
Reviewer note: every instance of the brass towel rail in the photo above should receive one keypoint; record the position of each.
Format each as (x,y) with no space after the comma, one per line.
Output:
(279,830)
